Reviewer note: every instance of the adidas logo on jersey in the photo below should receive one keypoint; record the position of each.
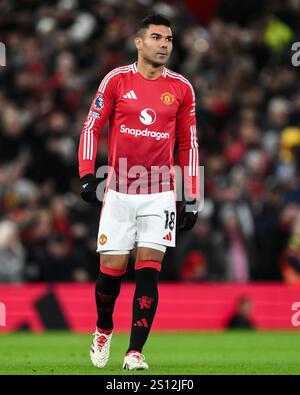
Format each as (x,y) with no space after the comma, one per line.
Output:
(168,237)
(130,95)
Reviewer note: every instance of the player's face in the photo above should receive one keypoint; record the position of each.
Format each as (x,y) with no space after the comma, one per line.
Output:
(155,45)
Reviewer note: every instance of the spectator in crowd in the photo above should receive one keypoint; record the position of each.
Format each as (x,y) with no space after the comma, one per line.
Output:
(12,254)
(194,268)
(290,260)
(202,255)
(59,263)
(241,318)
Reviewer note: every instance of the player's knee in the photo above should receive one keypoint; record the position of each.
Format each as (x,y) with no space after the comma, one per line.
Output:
(114,265)
(149,254)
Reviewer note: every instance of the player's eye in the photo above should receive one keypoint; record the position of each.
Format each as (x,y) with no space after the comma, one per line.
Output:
(170,39)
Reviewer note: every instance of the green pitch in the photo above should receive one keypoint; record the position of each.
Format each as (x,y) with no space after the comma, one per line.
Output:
(172,353)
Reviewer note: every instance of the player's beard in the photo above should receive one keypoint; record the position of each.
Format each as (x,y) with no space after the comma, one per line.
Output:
(156,63)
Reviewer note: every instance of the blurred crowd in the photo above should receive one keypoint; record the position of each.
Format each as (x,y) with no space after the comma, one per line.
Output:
(248,113)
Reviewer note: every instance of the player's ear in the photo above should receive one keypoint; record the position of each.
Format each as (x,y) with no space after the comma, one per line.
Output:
(138,42)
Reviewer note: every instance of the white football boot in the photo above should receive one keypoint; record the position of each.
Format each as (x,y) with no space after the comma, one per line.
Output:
(99,351)
(135,361)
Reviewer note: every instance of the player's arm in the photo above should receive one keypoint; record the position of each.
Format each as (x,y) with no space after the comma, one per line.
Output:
(188,159)
(101,108)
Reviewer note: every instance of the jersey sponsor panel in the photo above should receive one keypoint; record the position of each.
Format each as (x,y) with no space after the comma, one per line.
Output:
(145,116)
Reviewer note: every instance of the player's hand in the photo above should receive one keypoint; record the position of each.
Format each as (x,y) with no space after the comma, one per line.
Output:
(188,215)
(88,188)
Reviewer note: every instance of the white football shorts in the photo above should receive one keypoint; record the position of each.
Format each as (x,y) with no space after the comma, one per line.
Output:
(127,221)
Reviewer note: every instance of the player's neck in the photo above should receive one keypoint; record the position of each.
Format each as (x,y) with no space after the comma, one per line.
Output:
(148,71)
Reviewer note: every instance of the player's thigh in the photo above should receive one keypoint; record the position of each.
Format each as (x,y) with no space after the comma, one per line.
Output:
(114,261)
(117,226)
(156,220)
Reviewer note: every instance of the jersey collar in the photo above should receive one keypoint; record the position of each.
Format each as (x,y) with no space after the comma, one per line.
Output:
(135,70)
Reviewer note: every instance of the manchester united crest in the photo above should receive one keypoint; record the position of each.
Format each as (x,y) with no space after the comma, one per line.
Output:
(102,239)
(167,98)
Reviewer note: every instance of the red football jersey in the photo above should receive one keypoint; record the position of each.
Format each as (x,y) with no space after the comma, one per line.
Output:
(145,117)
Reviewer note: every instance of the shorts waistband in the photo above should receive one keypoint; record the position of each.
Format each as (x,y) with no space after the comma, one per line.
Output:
(141,196)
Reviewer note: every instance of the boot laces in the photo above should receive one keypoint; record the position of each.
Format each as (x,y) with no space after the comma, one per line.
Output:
(138,356)
(101,341)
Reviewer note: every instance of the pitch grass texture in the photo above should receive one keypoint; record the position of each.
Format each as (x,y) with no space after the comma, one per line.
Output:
(200,353)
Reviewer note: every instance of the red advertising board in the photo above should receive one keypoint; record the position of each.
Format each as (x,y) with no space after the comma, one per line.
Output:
(181,306)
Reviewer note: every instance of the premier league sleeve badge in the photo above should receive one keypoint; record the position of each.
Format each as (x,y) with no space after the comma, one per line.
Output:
(99,103)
